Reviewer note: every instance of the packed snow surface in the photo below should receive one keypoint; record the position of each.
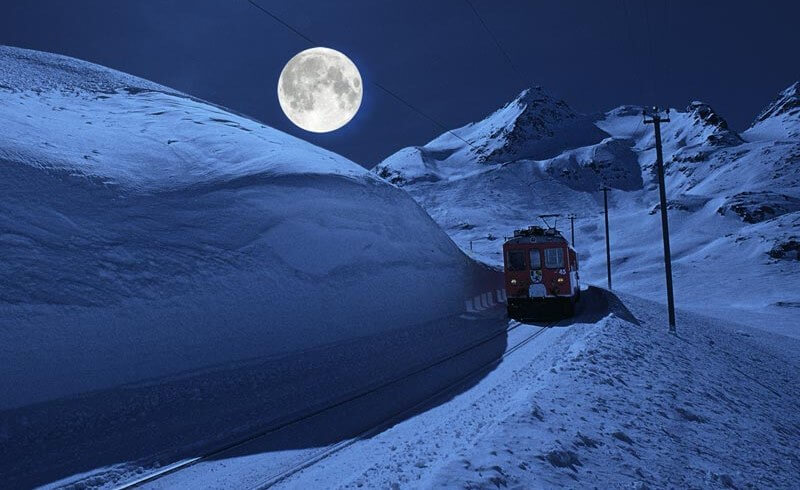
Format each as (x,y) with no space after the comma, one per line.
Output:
(176,277)
(733,199)
(609,399)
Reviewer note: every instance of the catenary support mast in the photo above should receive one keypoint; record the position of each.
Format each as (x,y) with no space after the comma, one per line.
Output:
(656,120)
(608,240)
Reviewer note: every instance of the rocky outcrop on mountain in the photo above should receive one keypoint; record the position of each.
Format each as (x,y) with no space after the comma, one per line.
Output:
(787,103)
(704,116)
(780,120)
(754,207)
(733,199)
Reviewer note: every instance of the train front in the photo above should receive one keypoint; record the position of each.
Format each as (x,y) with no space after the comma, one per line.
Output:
(541,272)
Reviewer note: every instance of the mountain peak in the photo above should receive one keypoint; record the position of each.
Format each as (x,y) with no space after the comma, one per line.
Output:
(530,126)
(787,102)
(715,127)
(780,119)
(536,103)
(704,113)
(534,94)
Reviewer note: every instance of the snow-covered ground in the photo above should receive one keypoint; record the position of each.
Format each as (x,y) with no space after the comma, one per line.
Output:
(733,199)
(145,233)
(176,277)
(609,401)
(147,237)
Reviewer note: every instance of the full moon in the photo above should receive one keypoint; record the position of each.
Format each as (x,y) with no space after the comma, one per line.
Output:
(320,90)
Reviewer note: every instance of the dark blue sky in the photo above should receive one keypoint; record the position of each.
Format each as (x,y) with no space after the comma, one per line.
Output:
(435,54)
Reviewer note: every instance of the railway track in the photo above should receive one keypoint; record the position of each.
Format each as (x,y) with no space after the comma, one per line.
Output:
(377,428)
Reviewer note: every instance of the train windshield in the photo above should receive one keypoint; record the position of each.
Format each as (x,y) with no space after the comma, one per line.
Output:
(554,258)
(536,259)
(516,260)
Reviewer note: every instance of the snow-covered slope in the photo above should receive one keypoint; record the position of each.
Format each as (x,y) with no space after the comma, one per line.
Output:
(734,200)
(534,125)
(779,120)
(610,401)
(144,233)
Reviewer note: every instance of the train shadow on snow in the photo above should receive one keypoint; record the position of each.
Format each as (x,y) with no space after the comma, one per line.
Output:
(594,305)
(196,413)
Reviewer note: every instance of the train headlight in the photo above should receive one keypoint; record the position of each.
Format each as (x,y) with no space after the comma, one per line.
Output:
(560,279)
(514,282)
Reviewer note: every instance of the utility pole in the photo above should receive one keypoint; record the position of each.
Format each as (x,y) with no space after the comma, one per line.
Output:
(608,241)
(656,120)
(572,226)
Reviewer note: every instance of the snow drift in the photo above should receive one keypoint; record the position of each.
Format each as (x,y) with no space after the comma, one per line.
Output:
(144,233)
(733,198)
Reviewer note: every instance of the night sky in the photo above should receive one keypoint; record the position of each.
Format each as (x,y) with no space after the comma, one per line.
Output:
(434,54)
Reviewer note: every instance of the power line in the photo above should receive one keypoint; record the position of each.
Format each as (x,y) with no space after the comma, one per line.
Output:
(429,118)
(496,41)
(280,21)
(668,28)
(628,20)
(651,47)
(376,84)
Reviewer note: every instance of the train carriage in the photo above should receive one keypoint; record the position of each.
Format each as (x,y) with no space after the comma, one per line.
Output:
(541,272)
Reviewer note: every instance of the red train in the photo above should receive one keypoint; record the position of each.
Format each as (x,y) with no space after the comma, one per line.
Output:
(541,272)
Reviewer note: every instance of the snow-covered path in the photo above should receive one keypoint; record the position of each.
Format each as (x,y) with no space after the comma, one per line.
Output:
(260,464)
(176,277)
(261,461)
(112,436)
(614,402)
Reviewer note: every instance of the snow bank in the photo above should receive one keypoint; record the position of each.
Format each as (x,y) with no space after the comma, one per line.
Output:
(614,402)
(145,233)
(631,406)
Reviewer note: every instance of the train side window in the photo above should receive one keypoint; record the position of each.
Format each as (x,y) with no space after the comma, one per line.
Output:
(536,259)
(516,260)
(554,258)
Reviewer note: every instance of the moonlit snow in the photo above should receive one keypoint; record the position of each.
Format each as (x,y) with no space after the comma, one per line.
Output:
(145,232)
(734,199)
(176,277)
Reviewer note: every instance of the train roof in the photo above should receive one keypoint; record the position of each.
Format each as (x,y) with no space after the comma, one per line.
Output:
(536,234)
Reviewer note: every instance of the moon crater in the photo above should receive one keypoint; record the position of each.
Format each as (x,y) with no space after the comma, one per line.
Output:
(320,90)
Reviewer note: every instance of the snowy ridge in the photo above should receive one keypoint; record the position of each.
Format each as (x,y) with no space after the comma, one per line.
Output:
(24,70)
(145,233)
(531,125)
(780,119)
(120,128)
(534,125)
(720,185)
(628,405)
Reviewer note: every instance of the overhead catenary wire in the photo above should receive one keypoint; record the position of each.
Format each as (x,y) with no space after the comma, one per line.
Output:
(378,85)
(668,28)
(497,42)
(643,61)
(281,21)
(651,48)
(633,50)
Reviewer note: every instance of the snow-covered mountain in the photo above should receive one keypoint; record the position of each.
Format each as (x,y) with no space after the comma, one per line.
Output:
(779,120)
(144,232)
(533,126)
(734,199)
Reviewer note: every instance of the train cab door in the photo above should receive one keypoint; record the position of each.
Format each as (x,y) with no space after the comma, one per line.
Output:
(574,276)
